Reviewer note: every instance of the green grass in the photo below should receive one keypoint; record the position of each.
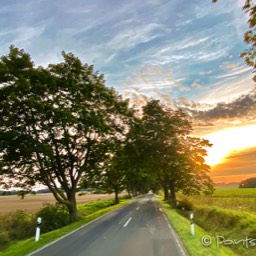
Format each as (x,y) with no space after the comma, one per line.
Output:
(193,244)
(236,192)
(242,200)
(229,212)
(240,204)
(92,211)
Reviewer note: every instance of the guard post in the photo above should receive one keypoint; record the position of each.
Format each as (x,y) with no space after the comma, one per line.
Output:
(39,221)
(192,224)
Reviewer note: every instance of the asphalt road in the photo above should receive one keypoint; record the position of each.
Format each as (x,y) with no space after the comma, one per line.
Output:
(138,229)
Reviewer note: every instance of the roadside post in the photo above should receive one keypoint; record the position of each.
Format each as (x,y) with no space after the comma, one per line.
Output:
(192,224)
(39,221)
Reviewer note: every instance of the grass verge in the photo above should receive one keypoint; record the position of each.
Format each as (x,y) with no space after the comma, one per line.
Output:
(194,244)
(28,246)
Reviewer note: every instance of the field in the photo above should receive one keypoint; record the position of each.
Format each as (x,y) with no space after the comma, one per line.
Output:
(229,197)
(229,213)
(33,203)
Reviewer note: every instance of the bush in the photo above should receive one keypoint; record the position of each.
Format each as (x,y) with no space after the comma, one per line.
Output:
(53,216)
(21,225)
(185,205)
(4,240)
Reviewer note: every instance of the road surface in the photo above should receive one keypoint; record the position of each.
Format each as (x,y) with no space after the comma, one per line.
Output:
(137,229)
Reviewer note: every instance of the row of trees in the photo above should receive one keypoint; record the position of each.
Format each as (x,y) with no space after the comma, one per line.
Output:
(62,127)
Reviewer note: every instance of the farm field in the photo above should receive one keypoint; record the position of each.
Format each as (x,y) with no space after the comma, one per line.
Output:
(229,213)
(229,197)
(33,203)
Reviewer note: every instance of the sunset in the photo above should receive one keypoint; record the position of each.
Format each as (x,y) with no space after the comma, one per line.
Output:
(185,54)
(228,152)
(127,127)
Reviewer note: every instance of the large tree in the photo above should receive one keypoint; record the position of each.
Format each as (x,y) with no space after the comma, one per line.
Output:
(55,123)
(165,149)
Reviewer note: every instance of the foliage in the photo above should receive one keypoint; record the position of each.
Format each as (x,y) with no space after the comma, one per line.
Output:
(160,145)
(56,124)
(185,205)
(249,183)
(53,216)
(16,226)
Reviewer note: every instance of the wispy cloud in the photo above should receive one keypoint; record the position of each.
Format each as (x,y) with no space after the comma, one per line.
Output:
(131,37)
(236,70)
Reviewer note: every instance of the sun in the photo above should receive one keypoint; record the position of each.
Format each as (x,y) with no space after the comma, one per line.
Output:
(227,140)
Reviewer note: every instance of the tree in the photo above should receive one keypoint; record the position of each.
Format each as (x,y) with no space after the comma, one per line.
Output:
(113,176)
(55,124)
(169,154)
(249,183)
(139,179)
(250,36)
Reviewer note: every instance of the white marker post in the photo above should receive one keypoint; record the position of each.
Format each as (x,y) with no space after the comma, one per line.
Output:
(39,221)
(192,224)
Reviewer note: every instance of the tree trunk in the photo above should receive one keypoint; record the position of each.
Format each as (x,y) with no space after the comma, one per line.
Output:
(166,193)
(73,216)
(116,195)
(173,194)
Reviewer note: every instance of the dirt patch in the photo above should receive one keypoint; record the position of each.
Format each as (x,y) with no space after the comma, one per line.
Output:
(33,203)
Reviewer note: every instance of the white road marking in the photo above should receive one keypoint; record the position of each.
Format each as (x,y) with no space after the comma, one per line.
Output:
(127,222)
(137,208)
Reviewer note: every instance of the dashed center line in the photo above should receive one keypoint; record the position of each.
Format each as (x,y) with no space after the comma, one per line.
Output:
(137,208)
(127,222)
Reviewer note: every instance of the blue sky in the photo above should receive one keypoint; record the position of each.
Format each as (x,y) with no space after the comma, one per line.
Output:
(184,53)
(181,48)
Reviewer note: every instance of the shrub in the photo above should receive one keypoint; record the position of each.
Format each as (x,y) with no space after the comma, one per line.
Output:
(4,240)
(53,216)
(21,225)
(185,205)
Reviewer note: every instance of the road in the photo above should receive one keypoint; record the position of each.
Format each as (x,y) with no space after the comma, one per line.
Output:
(138,229)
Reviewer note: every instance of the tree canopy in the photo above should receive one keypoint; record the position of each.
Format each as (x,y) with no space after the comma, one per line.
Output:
(167,153)
(55,123)
(248,183)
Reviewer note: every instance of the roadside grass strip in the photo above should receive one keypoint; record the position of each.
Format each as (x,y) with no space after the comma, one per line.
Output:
(28,246)
(202,243)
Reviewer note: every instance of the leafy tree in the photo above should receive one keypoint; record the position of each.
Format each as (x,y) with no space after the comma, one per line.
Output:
(138,178)
(165,150)
(249,183)
(55,124)
(113,176)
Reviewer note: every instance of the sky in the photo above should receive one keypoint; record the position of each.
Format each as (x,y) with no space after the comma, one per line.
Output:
(184,53)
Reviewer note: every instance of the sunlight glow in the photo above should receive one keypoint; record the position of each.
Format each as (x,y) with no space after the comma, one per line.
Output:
(228,140)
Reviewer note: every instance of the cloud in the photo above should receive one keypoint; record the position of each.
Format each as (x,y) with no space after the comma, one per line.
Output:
(242,108)
(202,73)
(238,165)
(133,36)
(197,84)
(228,65)
(234,70)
